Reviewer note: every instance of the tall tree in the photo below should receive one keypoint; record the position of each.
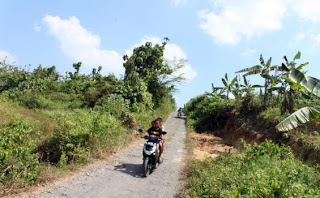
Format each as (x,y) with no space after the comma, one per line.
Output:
(147,63)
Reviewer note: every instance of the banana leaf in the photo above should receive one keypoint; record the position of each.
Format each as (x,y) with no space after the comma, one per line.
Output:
(269,62)
(285,61)
(302,65)
(284,67)
(252,72)
(310,83)
(253,68)
(224,82)
(257,86)
(299,117)
(261,60)
(297,56)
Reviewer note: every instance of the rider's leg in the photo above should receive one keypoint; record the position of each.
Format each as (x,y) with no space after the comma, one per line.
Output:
(161,145)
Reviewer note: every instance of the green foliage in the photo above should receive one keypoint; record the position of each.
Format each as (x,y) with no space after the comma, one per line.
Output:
(148,64)
(301,116)
(144,119)
(135,90)
(17,160)
(265,170)
(206,113)
(11,76)
(250,104)
(36,101)
(272,116)
(72,141)
(78,116)
(115,104)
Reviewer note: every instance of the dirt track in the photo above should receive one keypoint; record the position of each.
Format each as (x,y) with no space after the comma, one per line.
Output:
(122,176)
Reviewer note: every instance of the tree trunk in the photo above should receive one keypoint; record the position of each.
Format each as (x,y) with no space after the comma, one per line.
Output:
(290,105)
(265,98)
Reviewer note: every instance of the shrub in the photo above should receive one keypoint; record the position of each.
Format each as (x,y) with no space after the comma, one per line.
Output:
(115,104)
(208,113)
(17,160)
(272,116)
(78,135)
(265,170)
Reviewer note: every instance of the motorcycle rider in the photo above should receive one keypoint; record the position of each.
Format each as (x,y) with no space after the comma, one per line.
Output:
(156,130)
(179,112)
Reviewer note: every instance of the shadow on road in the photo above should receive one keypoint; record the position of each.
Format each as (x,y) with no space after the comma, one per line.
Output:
(182,117)
(135,170)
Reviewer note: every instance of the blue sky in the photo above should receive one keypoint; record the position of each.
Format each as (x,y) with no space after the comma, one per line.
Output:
(214,36)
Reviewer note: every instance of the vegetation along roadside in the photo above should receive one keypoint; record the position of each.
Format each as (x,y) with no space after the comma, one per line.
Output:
(51,123)
(279,125)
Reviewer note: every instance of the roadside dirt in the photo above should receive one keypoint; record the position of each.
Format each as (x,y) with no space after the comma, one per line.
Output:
(207,145)
(122,175)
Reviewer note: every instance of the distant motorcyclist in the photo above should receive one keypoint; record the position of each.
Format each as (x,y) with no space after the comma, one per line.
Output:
(179,112)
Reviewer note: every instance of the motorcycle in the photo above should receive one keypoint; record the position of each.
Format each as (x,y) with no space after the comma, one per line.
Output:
(150,153)
(179,114)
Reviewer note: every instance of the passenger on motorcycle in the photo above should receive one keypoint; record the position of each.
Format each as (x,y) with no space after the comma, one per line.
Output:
(156,130)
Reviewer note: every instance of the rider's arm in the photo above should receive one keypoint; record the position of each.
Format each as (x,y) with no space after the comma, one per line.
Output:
(148,132)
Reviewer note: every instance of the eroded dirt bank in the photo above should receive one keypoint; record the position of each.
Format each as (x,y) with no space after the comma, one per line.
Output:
(252,129)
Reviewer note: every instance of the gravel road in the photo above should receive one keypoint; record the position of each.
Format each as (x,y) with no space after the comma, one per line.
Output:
(122,176)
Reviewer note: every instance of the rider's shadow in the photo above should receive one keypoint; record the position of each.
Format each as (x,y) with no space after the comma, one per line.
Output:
(135,170)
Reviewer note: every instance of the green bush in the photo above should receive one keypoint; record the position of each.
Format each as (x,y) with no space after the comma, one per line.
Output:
(272,116)
(208,113)
(33,100)
(250,104)
(79,134)
(17,160)
(115,104)
(265,170)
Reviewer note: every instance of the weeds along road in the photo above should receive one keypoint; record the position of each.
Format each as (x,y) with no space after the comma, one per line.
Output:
(122,176)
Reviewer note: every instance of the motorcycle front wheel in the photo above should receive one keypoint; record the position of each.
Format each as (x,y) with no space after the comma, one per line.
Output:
(147,166)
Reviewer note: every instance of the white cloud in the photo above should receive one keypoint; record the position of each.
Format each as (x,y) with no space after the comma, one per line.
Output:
(79,44)
(307,9)
(300,36)
(308,36)
(230,21)
(179,2)
(172,52)
(7,57)
(248,52)
(36,27)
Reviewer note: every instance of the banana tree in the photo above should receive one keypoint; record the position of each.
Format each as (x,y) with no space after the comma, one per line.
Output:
(228,85)
(247,87)
(215,91)
(304,114)
(287,69)
(264,70)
